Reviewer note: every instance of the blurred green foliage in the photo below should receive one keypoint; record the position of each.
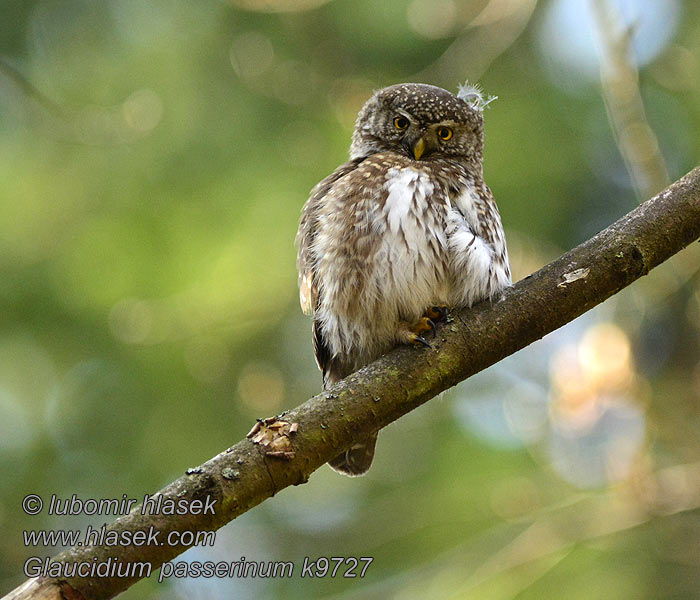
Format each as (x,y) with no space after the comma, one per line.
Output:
(155,157)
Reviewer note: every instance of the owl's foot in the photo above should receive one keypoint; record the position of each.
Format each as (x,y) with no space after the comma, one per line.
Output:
(413,333)
(422,325)
(437,313)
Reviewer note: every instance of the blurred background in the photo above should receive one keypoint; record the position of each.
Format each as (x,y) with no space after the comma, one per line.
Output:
(154,160)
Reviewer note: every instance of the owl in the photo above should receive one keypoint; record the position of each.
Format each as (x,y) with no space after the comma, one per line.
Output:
(402,232)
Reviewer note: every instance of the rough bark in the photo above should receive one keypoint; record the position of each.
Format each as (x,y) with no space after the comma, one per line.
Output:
(244,475)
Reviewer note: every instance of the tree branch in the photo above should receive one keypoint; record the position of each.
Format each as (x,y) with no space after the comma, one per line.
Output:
(244,475)
(619,76)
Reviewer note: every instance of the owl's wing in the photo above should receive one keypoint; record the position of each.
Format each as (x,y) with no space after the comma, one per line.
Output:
(478,246)
(308,285)
(308,289)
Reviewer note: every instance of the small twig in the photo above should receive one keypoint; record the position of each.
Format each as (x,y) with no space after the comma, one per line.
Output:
(29,90)
(619,77)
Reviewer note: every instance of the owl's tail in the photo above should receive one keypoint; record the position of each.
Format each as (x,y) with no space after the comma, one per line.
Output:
(357,459)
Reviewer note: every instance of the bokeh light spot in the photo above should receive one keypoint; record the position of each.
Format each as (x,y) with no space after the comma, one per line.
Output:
(433,19)
(251,54)
(261,388)
(143,110)
(604,354)
(131,320)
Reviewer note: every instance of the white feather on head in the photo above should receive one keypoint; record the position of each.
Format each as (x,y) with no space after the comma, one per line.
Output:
(471,94)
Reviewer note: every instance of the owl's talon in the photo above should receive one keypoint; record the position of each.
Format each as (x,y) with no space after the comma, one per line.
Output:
(418,340)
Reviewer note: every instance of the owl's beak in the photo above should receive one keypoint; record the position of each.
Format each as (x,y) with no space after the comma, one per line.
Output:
(419,148)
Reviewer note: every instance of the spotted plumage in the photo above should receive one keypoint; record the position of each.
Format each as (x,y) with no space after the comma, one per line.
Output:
(407,224)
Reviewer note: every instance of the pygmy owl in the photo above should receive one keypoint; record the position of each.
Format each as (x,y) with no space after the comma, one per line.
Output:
(401,232)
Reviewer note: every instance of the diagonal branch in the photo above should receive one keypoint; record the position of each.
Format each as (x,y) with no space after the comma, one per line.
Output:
(243,476)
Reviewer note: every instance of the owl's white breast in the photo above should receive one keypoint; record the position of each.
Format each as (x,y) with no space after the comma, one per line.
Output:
(408,190)
(409,265)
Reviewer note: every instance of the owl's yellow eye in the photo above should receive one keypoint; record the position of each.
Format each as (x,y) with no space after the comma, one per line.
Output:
(444,133)
(401,123)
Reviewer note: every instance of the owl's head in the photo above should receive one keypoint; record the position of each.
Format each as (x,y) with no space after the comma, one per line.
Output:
(420,121)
